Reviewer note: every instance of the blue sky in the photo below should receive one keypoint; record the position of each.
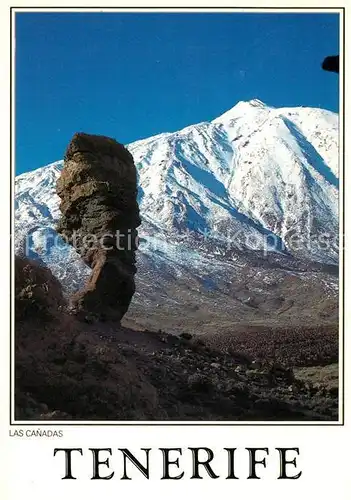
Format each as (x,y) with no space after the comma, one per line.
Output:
(133,75)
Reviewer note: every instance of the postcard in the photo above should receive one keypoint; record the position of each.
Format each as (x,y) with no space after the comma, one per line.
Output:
(174,318)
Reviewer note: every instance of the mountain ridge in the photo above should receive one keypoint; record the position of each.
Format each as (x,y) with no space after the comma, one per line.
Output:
(216,198)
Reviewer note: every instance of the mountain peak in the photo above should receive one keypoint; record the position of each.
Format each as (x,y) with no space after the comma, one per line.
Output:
(257,103)
(245,174)
(241,108)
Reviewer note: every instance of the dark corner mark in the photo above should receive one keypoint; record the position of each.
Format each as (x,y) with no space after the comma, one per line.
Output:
(331,63)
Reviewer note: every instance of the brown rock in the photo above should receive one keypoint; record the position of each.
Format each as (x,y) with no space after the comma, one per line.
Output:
(100,214)
(38,294)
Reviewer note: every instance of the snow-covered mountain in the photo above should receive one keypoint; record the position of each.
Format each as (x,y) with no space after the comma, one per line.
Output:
(254,180)
(254,171)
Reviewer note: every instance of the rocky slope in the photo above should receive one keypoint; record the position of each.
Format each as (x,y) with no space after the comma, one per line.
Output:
(69,370)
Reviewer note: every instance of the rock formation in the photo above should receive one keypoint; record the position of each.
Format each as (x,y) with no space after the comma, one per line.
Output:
(38,294)
(100,214)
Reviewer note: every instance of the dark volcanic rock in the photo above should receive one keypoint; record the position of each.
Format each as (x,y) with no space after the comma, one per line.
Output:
(38,294)
(100,214)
